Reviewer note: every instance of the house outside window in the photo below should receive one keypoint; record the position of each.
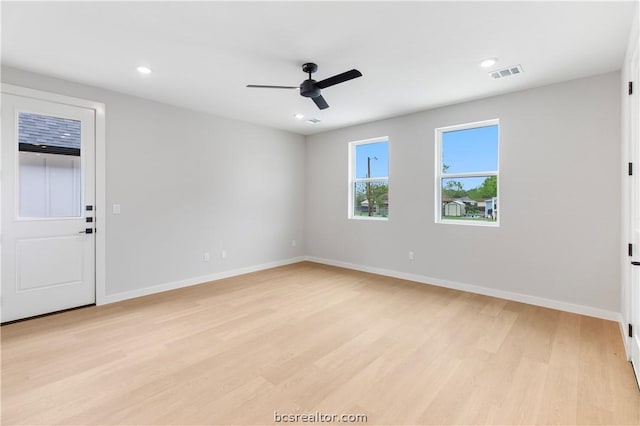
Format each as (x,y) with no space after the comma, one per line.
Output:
(467,170)
(369,179)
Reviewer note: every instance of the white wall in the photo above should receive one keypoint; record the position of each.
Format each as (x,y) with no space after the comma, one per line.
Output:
(559,234)
(190,182)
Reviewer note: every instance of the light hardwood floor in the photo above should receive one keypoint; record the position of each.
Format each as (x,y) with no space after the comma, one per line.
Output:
(306,338)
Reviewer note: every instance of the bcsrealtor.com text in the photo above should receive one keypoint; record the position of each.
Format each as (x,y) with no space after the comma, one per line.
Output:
(318,417)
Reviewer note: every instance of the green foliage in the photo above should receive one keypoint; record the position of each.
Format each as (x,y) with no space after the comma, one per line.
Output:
(374,192)
(488,189)
(453,189)
(378,191)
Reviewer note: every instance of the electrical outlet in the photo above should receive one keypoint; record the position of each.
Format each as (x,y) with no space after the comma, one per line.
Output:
(206,256)
(293,243)
(411,255)
(223,254)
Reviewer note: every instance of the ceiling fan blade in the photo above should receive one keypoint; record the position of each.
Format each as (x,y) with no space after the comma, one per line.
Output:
(320,102)
(260,86)
(340,78)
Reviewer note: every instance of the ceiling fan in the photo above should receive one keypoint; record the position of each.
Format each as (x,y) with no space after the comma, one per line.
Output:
(311,88)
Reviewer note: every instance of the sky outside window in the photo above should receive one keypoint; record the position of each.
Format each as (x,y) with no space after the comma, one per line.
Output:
(470,150)
(379,167)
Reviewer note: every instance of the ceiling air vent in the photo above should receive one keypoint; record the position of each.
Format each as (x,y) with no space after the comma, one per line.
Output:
(506,72)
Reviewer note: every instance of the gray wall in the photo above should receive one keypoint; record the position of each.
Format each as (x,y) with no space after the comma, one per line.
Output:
(190,182)
(559,234)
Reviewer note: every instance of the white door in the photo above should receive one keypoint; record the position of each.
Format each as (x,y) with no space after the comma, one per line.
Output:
(634,134)
(48,192)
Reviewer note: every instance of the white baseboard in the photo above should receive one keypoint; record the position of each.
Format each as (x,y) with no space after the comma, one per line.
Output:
(502,294)
(117,297)
(471,288)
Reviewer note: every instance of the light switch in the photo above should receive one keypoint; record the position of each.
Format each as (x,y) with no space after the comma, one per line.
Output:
(116,209)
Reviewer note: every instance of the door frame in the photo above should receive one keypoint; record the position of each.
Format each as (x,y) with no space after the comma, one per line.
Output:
(100,172)
(632,124)
(630,153)
(631,148)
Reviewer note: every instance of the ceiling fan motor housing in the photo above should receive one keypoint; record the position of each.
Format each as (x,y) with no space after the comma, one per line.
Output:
(308,89)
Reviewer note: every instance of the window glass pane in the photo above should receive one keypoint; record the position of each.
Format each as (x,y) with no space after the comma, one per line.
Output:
(49,167)
(371,199)
(470,150)
(470,198)
(372,160)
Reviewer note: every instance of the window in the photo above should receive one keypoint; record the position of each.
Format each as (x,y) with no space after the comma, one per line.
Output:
(369,179)
(467,173)
(49,166)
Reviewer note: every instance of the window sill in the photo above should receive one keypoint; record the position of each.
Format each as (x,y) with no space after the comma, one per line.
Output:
(373,218)
(469,223)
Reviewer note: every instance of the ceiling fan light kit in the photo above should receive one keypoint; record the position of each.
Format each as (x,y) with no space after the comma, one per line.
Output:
(313,89)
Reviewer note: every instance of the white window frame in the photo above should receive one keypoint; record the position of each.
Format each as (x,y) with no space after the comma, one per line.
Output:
(439,175)
(353,179)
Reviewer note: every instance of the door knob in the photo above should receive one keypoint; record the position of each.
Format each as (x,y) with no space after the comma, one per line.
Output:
(86,231)
(635,263)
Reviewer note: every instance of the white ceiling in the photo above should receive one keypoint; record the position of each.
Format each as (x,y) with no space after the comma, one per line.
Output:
(413,55)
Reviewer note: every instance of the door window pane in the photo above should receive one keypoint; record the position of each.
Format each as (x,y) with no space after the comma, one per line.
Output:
(49,166)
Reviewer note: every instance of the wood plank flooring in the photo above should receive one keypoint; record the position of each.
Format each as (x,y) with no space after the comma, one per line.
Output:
(309,338)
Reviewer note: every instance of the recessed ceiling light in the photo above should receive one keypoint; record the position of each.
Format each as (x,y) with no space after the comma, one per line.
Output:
(144,70)
(299,116)
(485,63)
(313,121)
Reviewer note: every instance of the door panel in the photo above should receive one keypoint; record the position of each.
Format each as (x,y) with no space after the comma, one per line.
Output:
(48,168)
(634,134)
(60,261)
